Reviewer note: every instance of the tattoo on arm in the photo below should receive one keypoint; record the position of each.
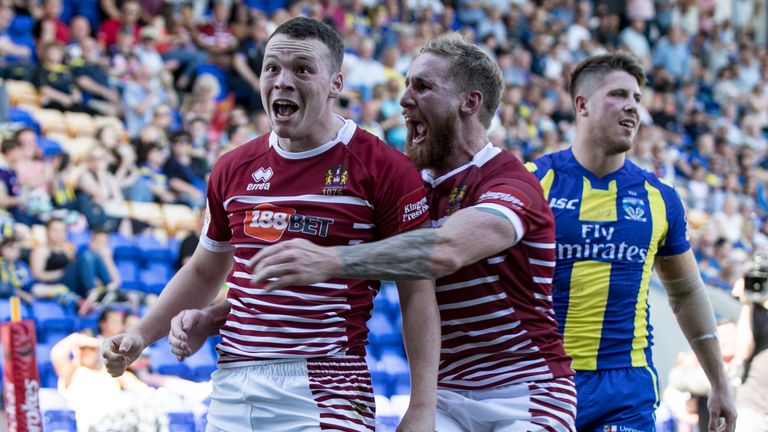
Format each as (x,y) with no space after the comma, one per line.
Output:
(406,256)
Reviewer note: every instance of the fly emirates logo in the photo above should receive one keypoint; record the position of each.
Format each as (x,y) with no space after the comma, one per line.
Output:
(597,242)
(268,223)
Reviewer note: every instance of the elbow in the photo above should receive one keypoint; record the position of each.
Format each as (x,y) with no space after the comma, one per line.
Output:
(446,261)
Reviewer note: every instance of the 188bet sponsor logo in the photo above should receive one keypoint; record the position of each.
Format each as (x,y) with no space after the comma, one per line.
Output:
(268,223)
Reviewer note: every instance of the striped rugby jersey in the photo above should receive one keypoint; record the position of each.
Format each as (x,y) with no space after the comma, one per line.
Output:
(498,326)
(352,189)
(609,230)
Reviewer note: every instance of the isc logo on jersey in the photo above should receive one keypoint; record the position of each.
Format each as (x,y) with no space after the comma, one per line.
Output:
(563,203)
(268,223)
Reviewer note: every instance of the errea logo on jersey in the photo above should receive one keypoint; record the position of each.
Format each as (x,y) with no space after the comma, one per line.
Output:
(261,176)
(268,223)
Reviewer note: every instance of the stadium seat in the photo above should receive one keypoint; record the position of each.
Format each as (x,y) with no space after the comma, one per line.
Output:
(147,212)
(19,115)
(22,93)
(51,121)
(59,421)
(79,238)
(181,422)
(383,332)
(80,124)
(129,274)
(380,383)
(90,321)
(154,278)
(123,248)
(400,383)
(392,362)
(48,378)
(202,363)
(179,217)
(152,250)
(52,320)
(164,362)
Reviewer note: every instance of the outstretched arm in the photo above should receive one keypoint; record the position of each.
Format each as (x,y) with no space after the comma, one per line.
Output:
(421,334)
(466,237)
(688,298)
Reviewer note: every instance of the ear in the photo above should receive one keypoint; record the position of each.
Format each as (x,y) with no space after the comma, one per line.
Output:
(337,84)
(471,103)
(580,105)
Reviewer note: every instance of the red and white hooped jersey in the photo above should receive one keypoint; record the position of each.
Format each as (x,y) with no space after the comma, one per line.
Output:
(498,326)
(352,189)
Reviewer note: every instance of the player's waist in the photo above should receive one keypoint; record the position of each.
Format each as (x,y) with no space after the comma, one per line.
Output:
(342,364)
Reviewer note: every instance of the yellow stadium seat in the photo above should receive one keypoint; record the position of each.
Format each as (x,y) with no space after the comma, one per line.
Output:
(22,93)
(179,218)
(147,212)
(80,124)
(79,148)
(51,121)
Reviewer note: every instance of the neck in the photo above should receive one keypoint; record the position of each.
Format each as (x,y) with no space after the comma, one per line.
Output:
(593,157)
(317,137)
(471,139)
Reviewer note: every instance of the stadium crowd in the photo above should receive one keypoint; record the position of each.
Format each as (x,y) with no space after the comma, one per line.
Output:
(167,87)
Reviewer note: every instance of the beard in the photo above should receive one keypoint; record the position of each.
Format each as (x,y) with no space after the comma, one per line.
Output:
(436,149)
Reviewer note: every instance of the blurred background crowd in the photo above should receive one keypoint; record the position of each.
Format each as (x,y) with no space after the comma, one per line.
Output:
(112,113)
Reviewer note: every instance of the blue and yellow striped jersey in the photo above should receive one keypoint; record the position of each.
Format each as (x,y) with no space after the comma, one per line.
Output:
(609,231)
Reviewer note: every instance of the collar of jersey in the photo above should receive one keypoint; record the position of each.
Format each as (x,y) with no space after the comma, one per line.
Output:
(344,136)
(590,175)
(479,159)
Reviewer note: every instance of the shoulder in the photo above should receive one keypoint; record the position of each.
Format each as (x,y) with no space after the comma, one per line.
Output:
(549,161)
(246,152)
(374,153)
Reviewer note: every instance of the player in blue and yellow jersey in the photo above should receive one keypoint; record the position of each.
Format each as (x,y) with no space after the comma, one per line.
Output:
(614,223)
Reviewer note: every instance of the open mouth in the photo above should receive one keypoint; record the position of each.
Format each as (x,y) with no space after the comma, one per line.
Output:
(628,123)
(284,109)
(418,131)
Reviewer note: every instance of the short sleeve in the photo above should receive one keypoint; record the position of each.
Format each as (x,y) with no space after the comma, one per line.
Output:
(401,201)
(514,199)
(216,233)
(676,240)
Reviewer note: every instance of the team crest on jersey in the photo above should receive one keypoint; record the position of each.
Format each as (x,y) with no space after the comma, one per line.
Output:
(634,209)
(456,199)
(335,180)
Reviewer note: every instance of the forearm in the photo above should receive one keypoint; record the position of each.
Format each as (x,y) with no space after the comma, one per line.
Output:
(218,313)
(409,256)
(421,335)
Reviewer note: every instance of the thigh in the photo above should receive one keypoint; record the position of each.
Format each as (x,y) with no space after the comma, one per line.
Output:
(617,398)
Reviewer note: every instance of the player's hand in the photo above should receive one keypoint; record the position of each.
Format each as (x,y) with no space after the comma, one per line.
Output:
(722,411)
(294,262)
(417,420)
(189,330)
(121,350)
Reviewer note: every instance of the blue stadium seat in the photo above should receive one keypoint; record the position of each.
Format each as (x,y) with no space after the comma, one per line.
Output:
(59,421)
(129,274)
(164,362)
(123,248)
(392,363)
(181,422)
(152,250)
(154,277)
(202,363)
(79,238)
(400,383)
(52,320)
(380,382)
(90,321)
(48,378)
(17,115)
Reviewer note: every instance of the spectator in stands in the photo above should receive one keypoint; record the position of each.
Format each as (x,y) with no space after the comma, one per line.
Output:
(127,21)
(363,71)
(79,30)
(672,53)
(22,191)
(62,187)
(214,35)
(147,54)
(15,279)
(56,81)
(51,267)
(84,382)
(91,72)
(183,56)
(49,27)
(99,196)
(11,51)
(185,173)
(140,99)
(154,182)
(246,66)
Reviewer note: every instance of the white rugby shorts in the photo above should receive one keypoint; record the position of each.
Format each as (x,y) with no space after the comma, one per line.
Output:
(287,396)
